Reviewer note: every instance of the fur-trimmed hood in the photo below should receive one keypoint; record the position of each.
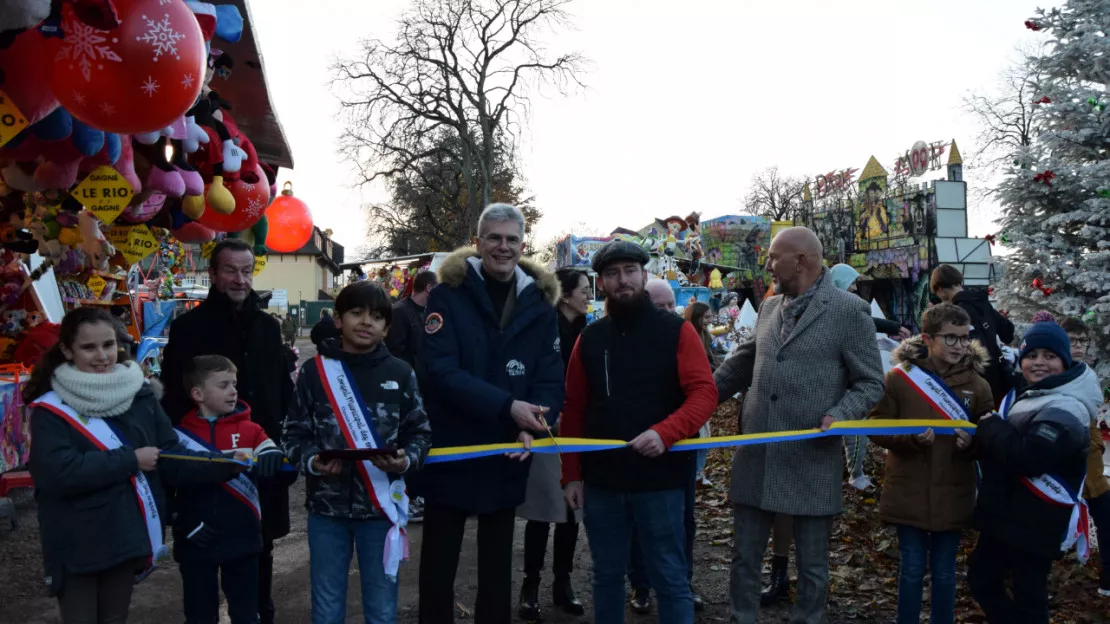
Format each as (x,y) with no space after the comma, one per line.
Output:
(454,269)
(914,350)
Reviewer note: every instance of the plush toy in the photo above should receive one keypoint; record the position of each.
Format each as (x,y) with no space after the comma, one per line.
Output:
(715,279)
(93,243)
(692,244)
(35,318)
(22,14)
(12,322)
(675,226)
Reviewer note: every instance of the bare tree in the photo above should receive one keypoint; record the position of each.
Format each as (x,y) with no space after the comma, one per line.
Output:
(465,67)
(1008,116)
(774,196)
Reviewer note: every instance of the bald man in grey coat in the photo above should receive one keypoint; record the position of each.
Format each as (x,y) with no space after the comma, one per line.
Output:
(812,361)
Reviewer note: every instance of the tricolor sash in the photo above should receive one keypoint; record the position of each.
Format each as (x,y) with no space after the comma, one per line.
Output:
(241,488)
(935,392)
(1054,491)
(357,425)
(103,437)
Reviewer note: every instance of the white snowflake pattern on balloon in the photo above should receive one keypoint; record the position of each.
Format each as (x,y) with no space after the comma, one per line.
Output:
(86,45)
(255,206)
(187,81)
(107,108)
(150,87)
(161,36)
(79,98)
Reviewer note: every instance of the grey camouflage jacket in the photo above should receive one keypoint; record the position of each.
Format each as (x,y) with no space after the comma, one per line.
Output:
(388,386)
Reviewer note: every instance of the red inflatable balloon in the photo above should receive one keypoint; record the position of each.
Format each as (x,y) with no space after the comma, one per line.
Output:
(250,205)
(193,232)
(290,222)
(139,77)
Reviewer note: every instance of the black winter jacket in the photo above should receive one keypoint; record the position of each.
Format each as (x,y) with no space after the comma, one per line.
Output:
(1051,437)
(324,329)
(388,387)
(405,333)
(987,326)
(251,339)
(89,517)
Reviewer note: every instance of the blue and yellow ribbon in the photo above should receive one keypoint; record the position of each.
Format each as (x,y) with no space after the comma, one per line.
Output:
(586,445)
(557,445)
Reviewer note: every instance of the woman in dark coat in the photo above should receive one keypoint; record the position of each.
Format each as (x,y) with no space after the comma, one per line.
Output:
(544,504)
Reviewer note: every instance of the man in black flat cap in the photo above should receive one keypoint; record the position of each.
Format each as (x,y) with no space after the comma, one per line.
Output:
(639,374)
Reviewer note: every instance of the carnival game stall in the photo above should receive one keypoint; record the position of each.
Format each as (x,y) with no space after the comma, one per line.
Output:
(127,127)
(894,228)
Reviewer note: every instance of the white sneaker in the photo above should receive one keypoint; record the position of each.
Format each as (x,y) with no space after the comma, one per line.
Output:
(862,483)
(1104,592)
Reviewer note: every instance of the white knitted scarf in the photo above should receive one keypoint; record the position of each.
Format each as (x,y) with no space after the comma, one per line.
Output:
(98,395)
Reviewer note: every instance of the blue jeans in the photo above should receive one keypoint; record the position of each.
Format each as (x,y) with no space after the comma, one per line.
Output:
(637,571)
(330,545)
(938,549)
(658,519)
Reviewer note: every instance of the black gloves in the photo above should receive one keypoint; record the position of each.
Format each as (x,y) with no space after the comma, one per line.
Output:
(269,463)
(203,536)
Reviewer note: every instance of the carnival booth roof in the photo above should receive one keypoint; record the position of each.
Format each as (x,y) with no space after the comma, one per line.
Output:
(249,95)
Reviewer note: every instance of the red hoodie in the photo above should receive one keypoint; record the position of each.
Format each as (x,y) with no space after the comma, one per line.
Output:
(233,432)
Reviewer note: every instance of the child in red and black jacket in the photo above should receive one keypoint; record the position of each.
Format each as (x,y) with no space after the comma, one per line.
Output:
(217,528)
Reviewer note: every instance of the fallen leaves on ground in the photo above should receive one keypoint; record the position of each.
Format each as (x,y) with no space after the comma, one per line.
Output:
(863,556)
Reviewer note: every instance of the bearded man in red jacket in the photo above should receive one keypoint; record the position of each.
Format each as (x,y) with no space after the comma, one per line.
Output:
(639,374)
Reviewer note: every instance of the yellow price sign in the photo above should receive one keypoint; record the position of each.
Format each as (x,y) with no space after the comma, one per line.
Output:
(12,121)
(105,193)
(134,242)
(96,284)
(259,264)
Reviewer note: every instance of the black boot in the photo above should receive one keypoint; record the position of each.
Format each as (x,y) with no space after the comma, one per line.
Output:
(779,589)
(564,597)
(530,598)
(641,601)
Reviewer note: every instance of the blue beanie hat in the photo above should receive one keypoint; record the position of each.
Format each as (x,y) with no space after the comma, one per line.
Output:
(843,276)
(1047,335)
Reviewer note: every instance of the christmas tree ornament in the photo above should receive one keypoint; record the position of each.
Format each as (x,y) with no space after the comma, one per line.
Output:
(1096,104)
(1089,316)
(1045,177)
(989,238)
(1004,237)
(290,222)
(1039,285)
(1044,100)
(1104,193)
(139,77)
(1031,25)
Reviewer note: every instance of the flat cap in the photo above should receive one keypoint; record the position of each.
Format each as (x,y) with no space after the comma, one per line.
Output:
(619,250)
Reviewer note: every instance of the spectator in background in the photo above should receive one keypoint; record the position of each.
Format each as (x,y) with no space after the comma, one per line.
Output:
(324,329)
(845,277)
(289,329)
(987,325)
(407,330)
(544,502)
(661,294)
(697,314)
(1096,488)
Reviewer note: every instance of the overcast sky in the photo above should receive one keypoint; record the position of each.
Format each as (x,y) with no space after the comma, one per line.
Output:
(685,100)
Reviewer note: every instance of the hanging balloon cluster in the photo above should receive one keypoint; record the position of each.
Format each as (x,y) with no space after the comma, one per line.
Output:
(115,113)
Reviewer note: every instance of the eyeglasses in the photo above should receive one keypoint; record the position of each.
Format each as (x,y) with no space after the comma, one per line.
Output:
(497,240)
(952,339)
(1080,342)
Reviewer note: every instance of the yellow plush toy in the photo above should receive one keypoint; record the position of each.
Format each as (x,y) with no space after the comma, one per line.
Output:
(715,279)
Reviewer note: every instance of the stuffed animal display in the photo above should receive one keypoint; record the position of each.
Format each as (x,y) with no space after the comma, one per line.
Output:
(180,150)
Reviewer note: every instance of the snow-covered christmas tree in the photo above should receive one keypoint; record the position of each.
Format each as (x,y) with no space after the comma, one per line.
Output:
(1056,199)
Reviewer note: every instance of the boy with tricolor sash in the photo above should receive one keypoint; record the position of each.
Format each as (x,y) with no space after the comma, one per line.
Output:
(1034,459)
(929,482)
(356,427)
(217,528)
